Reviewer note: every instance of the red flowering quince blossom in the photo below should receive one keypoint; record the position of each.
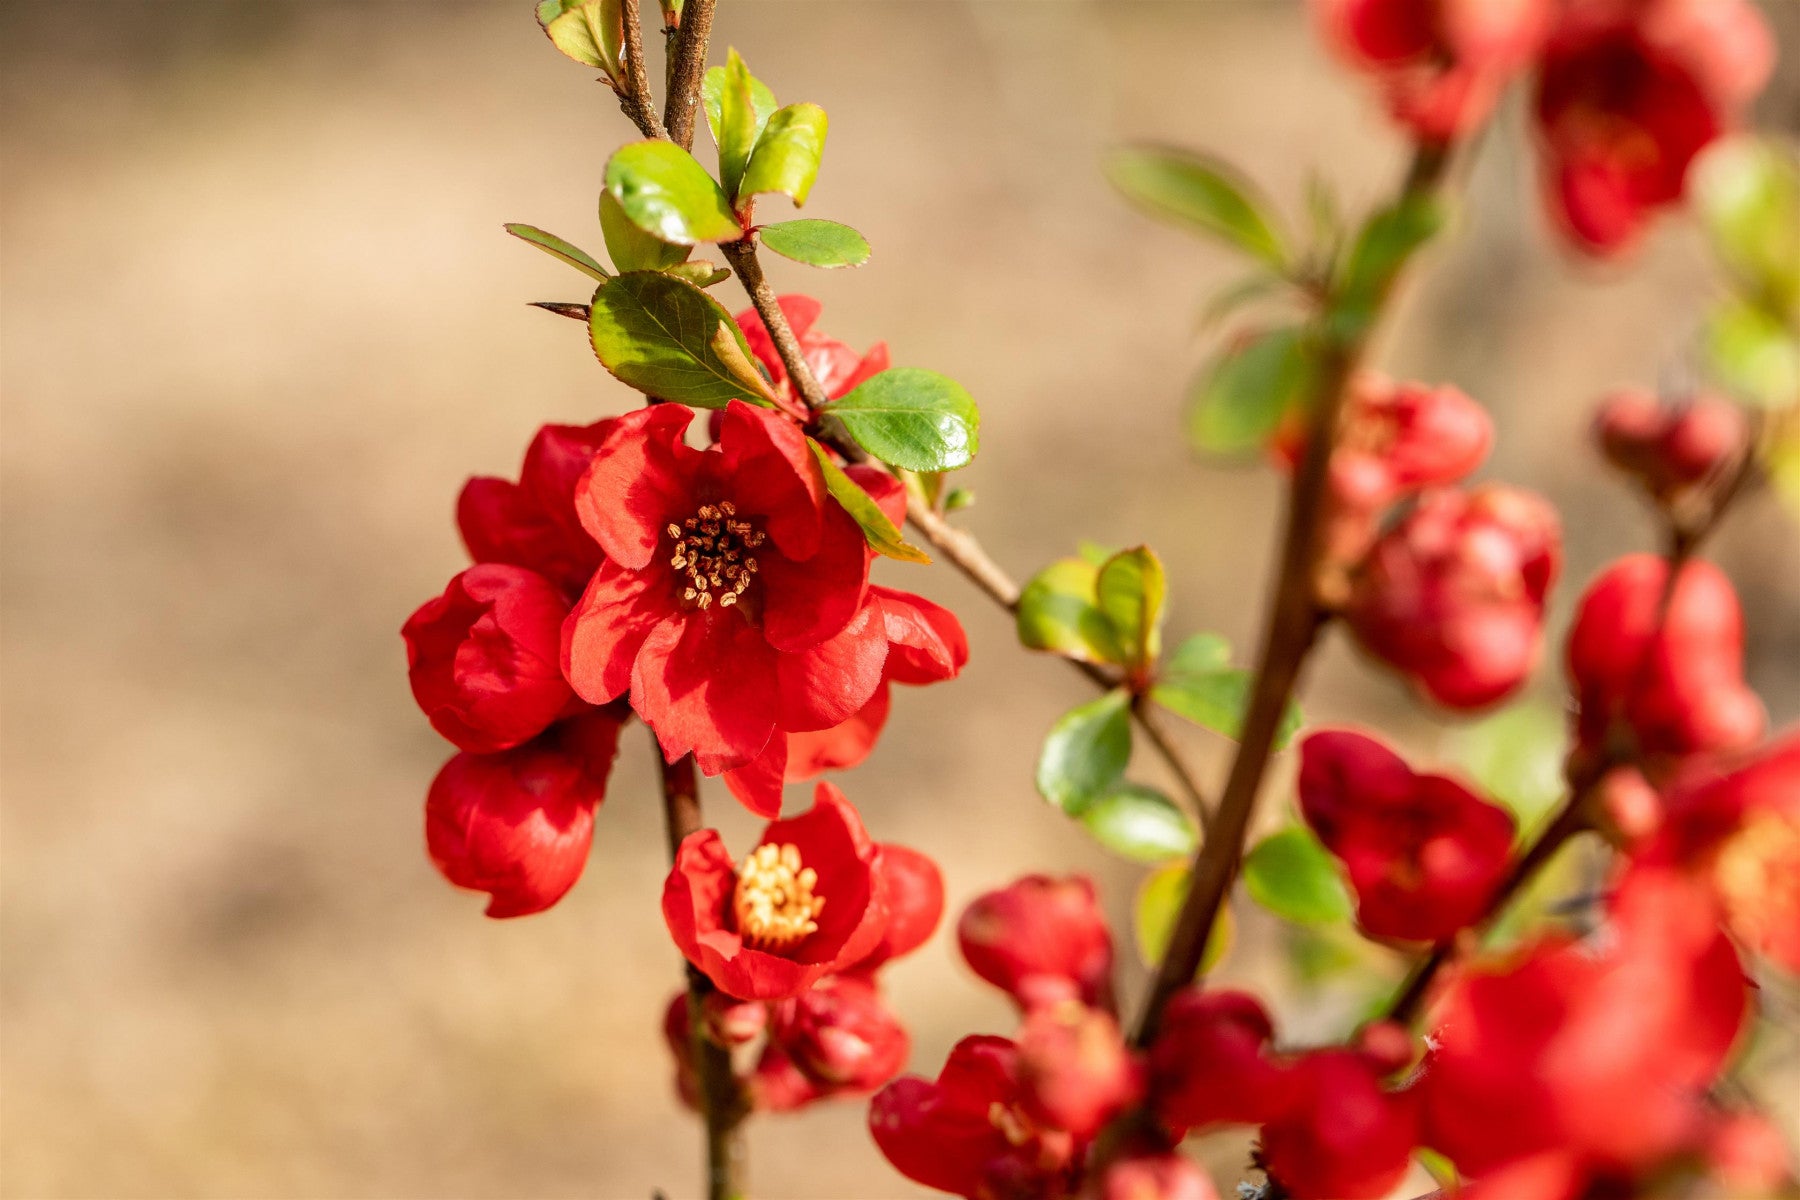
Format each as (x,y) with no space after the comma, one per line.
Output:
(1630,92)
(834,364)
(1041,941)
(731,603)
(967,1132)
(1591,1060)
(1423,853)
(841,1035)
(806,902)
(1453,596)
(1213,1062)
(518,824)
(1667,677)
(533,523)
(1076,1069)
(1343,1134)
(1670,448)
(1441,63)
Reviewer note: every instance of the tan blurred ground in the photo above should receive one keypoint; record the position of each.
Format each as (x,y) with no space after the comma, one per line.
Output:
(258,321)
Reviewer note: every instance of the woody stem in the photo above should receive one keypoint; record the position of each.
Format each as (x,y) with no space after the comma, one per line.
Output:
(722,1101)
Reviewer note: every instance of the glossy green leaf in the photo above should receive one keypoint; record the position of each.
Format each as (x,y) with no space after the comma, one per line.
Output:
(911,418)
(1140,823)
(1748,192)
(786,158)
(700,272)
(1756,355)
(1158,907)
(667,193)
(817,243)
(738,106)
(554,246)
(1516,757)
(1216,700)
(1130,590)
(1293,876)
(1199,653)
(631,248)
(1086,752)
(1382,247)
(1194,190)
(1059,611)
(588,31)
(667,338)
(1240,400)
(882,534)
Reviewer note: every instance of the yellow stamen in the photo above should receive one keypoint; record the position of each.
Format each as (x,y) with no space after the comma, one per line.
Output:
(774,899)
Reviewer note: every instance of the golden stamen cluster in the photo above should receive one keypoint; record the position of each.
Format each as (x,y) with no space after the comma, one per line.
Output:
(712,548)
(774,898)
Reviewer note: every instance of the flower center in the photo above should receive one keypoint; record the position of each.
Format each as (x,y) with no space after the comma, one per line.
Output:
(712,550)
(774,898)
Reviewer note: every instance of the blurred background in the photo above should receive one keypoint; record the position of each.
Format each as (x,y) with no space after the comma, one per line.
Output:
(258,321)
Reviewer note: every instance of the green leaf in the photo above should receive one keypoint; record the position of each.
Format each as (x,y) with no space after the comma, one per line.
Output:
(630,248)
(588,31)
(700,272)
(1192,189)
(738,107)
(1140,823)
(667,338)
(1059,611)
(1200,653)
(1158,907)
(786,158)
(911,418)
(1754,353)
(554,246)
(1748,192)
(1293,876)
(1240,400)
(881,534)
(1383,246)
(668,194)
(1130,590)
(1516,757)
(817,243)
(1086,751)
(1216,700)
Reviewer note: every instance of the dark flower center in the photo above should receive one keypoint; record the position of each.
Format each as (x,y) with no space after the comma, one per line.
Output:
(713,554)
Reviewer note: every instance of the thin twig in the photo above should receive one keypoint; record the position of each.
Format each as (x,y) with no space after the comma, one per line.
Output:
(741,255)
(687,71)
(636,100)
(722,1101)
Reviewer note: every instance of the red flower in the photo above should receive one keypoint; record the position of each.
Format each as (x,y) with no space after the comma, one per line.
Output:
(1075,1069)
(1600,1053)
(1442,63)
(518,824)
(841,1036)
(1630,92)
(807,902)
(1212,1063)
(483,657)
(835,365)
(1342,1135)
(1041,941)
(913,888)
(1670,448)
(1154,1177)
(1453,597)
(1669,678)
(966,1134)
(1423,853)
(532,523)
(731,602)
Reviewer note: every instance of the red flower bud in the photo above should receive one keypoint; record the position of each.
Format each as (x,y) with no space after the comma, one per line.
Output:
(1212,1062)
(1075,1069)
(483,657)
(1423,853)
(1672,679)
(733,1022)
(777,1084)
(1343,1136)
(805,903)
(1153,1177)
(518,824)
(914,888)
(966,1133)
(1041,941)
(1453,597)
(842,1036)
(1670,449)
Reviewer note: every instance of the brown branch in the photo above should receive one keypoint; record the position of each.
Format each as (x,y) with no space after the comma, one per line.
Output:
(1290,633)
(635,100)
(741,255)
(722,1101)
(687,69)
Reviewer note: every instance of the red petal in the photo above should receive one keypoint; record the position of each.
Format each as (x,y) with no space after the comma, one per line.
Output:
(826,684)
(888,493)
(602,637)
(842,746)
(809,600)
(706,683)
(757,784)
(772,474)
(640,481)
(926,642)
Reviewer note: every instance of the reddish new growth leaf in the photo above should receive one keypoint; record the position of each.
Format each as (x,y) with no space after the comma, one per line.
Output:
(1629,93)
(1441,64)
(1453,597)
(1423,853)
